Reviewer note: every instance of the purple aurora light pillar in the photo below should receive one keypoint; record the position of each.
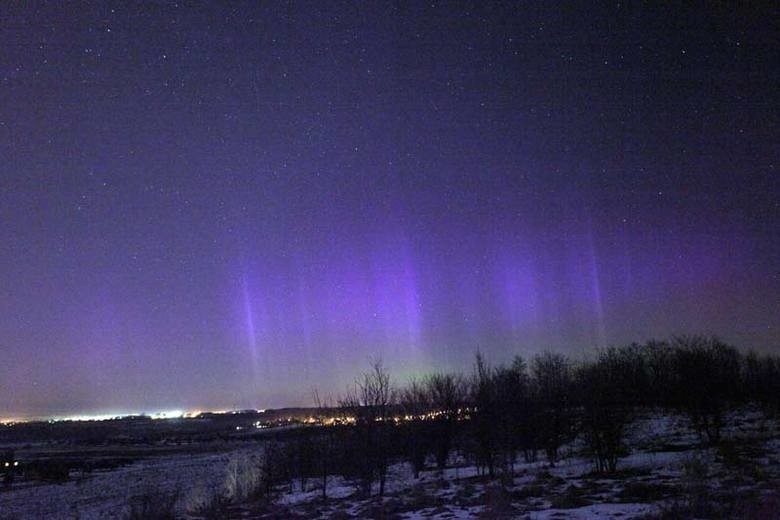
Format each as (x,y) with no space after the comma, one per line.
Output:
(595,285)
(250,325)
(397,298)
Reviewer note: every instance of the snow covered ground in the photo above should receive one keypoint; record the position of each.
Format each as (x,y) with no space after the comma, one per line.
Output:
(105,494)
(666,468)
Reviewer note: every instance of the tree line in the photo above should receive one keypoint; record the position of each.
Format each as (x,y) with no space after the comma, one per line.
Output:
(527,409)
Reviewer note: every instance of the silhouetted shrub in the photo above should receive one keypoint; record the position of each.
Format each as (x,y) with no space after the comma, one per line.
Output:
(243,476)
(275,470)
(552,384)
(209,504)
(485,416)
(609,390)
(516,414)
(706,382)
(658,357)
(761,382)
(446,394)
(415,403)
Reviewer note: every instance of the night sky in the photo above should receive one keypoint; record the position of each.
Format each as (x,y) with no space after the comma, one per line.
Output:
(229,205)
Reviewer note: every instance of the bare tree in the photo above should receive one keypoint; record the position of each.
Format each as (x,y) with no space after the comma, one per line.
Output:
(485,415)
(762,382)
(552,381)
(658,357)
(609,390)
(515,414)
(707,379)
(324,442)
(415,404)
(447,395)
(370,401)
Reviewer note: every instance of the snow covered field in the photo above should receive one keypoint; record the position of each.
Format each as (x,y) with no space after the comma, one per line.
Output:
(104,494)
(667,469)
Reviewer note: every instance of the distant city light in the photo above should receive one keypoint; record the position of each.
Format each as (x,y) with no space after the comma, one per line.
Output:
(168,414)
(161,414)
(95,417)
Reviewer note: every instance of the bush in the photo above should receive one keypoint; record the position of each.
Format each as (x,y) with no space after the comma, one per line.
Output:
(706,382)
(608,391)
(761,376)
(552,386)
(446,394)
(242,477)
(208,504)
(486,416)
(415,403)
(516,415)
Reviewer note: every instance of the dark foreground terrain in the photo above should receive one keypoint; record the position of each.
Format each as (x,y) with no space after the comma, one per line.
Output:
(668,474)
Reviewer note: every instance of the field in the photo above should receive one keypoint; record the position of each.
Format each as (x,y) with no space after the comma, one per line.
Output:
(667,474)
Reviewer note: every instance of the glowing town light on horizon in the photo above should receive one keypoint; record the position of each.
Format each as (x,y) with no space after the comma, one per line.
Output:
(161,414)
(168,414)
(94,417)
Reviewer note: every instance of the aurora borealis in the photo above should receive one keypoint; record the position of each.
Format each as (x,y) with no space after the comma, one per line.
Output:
(211,206)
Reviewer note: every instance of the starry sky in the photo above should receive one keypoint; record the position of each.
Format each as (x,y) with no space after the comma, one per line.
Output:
(211,205)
